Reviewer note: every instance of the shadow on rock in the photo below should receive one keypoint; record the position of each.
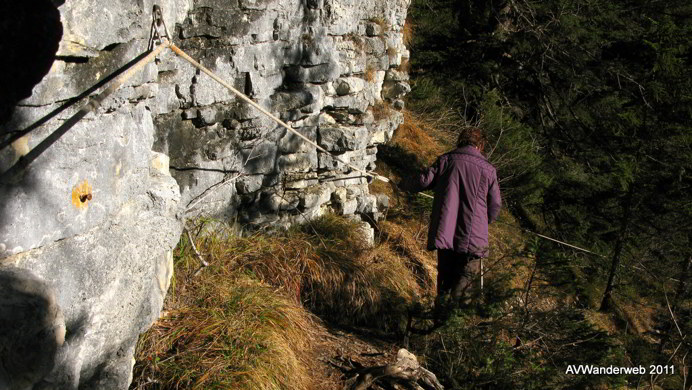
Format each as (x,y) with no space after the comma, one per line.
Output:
(29,35)
(32,328)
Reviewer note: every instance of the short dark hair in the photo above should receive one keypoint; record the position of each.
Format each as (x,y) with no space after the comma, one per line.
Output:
(472,136)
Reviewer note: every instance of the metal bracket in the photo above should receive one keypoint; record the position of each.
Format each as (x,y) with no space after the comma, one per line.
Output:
(159,31)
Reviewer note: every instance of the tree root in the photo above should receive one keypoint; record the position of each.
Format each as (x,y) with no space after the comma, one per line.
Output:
(405,373)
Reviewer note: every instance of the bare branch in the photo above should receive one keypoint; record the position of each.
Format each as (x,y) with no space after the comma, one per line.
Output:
(203,263)
(194,202)
(673,315)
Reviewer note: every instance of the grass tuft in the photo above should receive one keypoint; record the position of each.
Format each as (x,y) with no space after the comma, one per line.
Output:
(381,110)
(407,32)
(226,329)
(421,138)
(243,324)
(370,73)
(357,40)
(392,51)
(405,65)
(381,22)
(327,266)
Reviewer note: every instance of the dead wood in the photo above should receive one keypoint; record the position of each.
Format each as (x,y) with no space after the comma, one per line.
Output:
(405,373)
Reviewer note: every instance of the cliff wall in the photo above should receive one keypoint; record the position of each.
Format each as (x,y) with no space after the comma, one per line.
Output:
(87,231)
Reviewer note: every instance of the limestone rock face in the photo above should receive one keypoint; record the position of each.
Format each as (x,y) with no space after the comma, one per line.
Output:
(87,231)
(325,67)
(91,224)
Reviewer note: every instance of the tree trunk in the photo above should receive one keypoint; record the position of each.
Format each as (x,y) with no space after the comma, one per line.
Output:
(528,285)
(617,255)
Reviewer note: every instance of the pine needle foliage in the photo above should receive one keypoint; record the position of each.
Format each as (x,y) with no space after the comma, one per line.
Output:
(599,92)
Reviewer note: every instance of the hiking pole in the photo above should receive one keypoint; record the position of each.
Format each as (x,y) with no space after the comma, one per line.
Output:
(481,260)
(528,231)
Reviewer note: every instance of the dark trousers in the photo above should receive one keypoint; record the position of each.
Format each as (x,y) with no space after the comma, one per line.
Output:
(456,274)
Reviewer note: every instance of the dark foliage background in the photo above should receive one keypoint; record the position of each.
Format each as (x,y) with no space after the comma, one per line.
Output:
(588,107)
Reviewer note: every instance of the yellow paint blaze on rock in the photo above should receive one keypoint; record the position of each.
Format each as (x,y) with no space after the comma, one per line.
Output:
(81,195)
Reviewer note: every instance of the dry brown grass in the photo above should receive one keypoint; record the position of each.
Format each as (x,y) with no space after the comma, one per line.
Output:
(640,316)
(419,137)
(225,329)
(634,317)
(370,72)
(391,51)
(407,238)
(242,323)
(357,40)
(381,110)
(405,65)
(381,22)
(328,267)
(601,321)
(407,32)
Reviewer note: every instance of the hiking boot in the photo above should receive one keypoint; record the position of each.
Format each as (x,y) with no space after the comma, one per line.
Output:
(442,309)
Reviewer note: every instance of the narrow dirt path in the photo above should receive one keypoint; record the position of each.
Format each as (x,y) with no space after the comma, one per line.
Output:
(341,349)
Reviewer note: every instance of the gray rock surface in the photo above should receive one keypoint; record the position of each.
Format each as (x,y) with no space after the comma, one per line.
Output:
(110,282)
(32,328)
(96,216)
(322,66)
(87,231)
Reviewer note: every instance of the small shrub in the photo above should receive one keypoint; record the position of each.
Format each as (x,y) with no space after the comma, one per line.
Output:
(504,353)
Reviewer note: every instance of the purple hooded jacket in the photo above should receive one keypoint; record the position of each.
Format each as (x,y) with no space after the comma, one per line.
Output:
(467,198)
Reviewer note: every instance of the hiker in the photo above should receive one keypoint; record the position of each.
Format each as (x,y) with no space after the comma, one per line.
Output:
(467,199)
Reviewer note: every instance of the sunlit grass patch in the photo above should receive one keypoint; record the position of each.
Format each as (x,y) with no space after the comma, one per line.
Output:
(420,138)
(408,241)
(243,322)
(225,329)
(327,265)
